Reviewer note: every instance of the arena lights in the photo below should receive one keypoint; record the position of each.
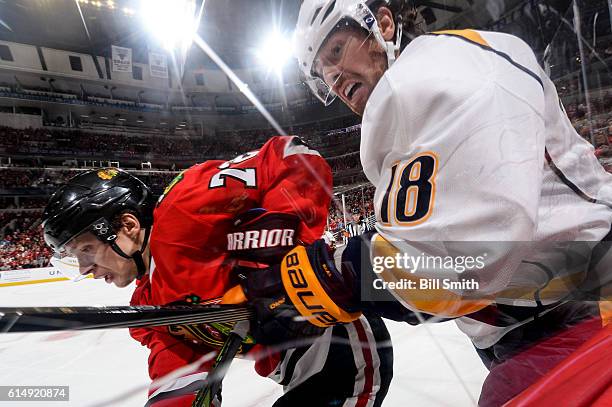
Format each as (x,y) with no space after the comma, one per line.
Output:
(275,51)
(171,22)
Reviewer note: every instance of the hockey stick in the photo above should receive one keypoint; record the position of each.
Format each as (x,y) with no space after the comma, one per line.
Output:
(34,319)
(207,396)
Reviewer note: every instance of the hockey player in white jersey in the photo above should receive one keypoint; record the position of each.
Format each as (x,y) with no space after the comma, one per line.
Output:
(472,155)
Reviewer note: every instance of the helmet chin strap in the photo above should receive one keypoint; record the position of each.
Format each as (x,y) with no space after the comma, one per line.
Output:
(136,256)
(392,48)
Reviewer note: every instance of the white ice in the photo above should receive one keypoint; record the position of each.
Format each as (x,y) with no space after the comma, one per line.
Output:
(435,364)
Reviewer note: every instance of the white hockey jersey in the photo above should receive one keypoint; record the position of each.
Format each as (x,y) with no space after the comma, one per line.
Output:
(465,139)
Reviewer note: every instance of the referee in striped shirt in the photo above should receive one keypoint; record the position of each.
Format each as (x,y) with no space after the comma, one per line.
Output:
(355,227)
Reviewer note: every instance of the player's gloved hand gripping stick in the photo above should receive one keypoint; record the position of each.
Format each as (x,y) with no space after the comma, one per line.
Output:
(299,297)
(299,292)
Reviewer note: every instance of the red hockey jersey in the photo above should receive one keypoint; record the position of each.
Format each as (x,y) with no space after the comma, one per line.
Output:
(189,245)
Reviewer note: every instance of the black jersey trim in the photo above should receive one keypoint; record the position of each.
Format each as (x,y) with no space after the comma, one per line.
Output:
(295,357)
(191,388)
(570,184)
(501,54)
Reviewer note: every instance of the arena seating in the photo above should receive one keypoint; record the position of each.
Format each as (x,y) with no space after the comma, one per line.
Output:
(21,242)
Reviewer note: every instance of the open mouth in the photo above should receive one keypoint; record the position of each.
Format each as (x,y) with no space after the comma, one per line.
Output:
(351,89)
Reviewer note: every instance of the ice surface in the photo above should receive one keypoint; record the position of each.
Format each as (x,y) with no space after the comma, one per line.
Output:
(435,364)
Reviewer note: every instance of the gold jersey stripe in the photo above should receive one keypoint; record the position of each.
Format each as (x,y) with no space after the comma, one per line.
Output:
(467,34)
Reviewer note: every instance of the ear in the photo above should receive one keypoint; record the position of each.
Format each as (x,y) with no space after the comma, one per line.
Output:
(130,225)
(386,24)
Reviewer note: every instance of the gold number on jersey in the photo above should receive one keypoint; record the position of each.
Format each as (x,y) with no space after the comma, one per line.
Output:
(410,195)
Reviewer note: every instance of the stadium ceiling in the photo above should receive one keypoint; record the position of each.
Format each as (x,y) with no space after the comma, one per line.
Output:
(234,28)
(231,27)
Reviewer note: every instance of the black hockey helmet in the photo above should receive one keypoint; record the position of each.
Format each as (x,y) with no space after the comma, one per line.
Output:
(89,201)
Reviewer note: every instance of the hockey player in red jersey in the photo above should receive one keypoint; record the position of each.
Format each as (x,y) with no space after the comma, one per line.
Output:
(216,222)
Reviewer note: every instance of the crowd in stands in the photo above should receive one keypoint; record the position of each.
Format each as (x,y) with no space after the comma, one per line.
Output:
(16,179)
(21,241)
(22,202)
(83,144)
(597,130)
(345,162)
(157,181)
(600,109)
(139,104)
(117,147)
(46,180)
(318,135)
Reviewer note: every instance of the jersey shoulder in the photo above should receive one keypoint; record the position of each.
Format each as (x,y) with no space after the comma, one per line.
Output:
(442,70)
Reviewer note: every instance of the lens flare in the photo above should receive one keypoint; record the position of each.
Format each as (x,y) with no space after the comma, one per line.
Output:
(275,51)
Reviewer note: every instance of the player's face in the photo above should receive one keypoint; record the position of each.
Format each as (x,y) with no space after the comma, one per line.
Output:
(351,63)
(100,260)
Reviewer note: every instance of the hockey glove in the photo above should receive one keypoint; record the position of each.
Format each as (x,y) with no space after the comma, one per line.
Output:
(299,297)
(262,236)
(258,241)
(276,319)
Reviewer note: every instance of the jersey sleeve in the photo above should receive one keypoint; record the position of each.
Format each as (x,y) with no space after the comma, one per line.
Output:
(298,181)
(465,165)
(168,354)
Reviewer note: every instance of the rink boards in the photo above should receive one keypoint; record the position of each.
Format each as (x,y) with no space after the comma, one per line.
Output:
(30,276)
